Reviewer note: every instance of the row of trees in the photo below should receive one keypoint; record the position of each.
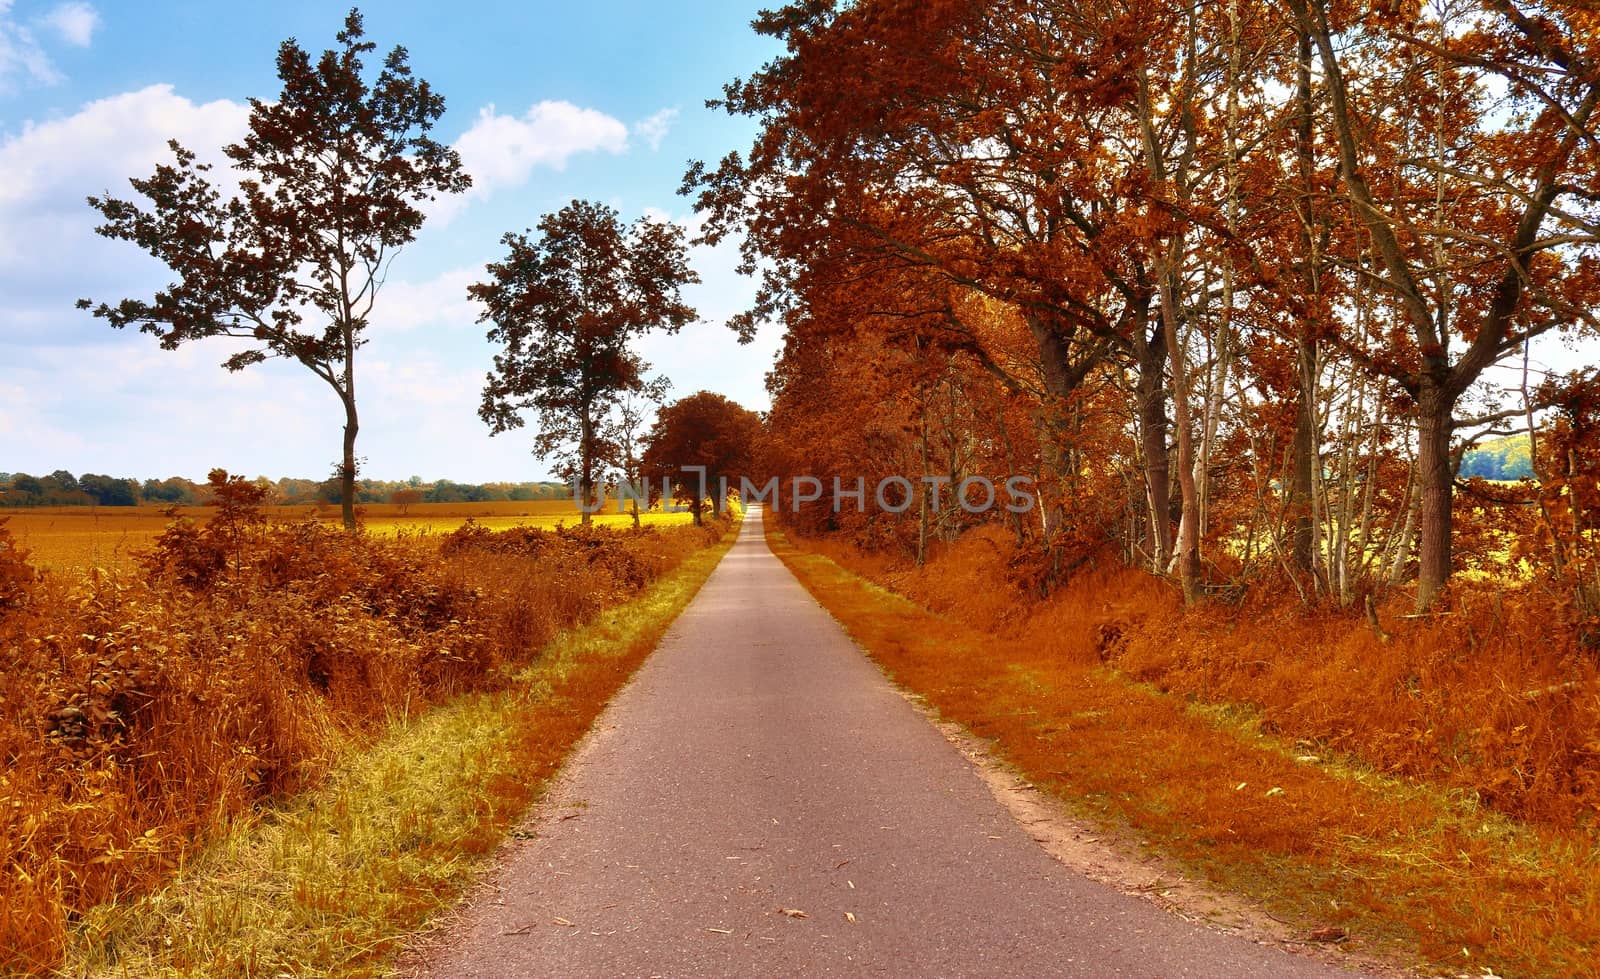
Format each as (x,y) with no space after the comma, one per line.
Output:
(62,488)
(333,175)
(1232,280)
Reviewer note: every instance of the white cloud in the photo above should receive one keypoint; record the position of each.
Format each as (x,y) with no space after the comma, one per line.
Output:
(654,129)
(111,139)
(21,55)
(48,169)
(440,301)
(75,22)
(501,151)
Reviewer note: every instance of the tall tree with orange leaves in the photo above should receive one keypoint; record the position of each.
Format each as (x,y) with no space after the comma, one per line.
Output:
(965,151)
(1491,235)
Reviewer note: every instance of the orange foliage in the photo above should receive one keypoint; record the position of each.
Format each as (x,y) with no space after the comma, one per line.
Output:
(16,575)
(1484,697)
(1295,835)
(140,713)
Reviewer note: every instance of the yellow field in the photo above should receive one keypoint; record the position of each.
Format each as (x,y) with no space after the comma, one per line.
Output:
(78,538)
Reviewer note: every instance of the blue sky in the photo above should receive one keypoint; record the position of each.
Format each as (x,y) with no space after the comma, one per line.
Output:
(547,102)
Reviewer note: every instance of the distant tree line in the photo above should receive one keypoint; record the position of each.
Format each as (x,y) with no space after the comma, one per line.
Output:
(62,488)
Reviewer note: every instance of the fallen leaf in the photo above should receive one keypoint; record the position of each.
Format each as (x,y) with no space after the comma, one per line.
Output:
(564,923)
(850,917)
(794,912)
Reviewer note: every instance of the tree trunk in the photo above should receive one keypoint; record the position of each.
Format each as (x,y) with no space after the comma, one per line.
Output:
(1059,383)
(1302,524)
(922,484)
(1435,482)
(347,468)
(1151,358)
(1302,479)
(1406,516)
(586,466)
(1188,550)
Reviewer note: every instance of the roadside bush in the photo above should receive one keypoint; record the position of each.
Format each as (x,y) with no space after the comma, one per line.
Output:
(1495,695)
(140,713)
(16,575)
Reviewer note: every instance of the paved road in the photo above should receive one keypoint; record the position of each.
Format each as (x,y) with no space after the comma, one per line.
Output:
(759,768)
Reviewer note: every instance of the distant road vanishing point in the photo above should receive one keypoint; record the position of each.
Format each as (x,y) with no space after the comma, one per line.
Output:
(759,801)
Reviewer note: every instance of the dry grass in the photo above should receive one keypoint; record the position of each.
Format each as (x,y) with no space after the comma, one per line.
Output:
(141,713)
(80,538)
(1319,837)
(334,881)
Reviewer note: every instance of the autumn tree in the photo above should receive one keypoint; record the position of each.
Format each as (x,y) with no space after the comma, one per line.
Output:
(1254,257)
(1480,209)
(699,444)
(406,498)
(333,176)
(994,149)
(565,307)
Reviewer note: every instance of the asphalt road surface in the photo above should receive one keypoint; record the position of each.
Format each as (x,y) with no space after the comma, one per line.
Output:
(759,801)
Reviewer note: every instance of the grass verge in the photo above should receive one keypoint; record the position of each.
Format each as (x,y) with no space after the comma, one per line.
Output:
(1399,869)
(333,882)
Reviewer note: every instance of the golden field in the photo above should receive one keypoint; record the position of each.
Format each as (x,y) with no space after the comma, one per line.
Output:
(79,538)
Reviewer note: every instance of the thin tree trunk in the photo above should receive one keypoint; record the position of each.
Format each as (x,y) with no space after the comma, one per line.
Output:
(1302,522)
(1188,549)
(1168,265)
(1300,508)
(586,467)
(1410,506)
(922,489)
(347,469)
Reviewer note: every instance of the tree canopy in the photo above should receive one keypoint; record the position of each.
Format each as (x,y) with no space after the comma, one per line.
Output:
(700,446)
(565,307)
(332,178)
(1283,239)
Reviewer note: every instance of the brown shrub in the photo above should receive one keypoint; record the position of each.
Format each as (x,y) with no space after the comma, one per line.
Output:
(1496,695)
(138,713)
(17,577)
